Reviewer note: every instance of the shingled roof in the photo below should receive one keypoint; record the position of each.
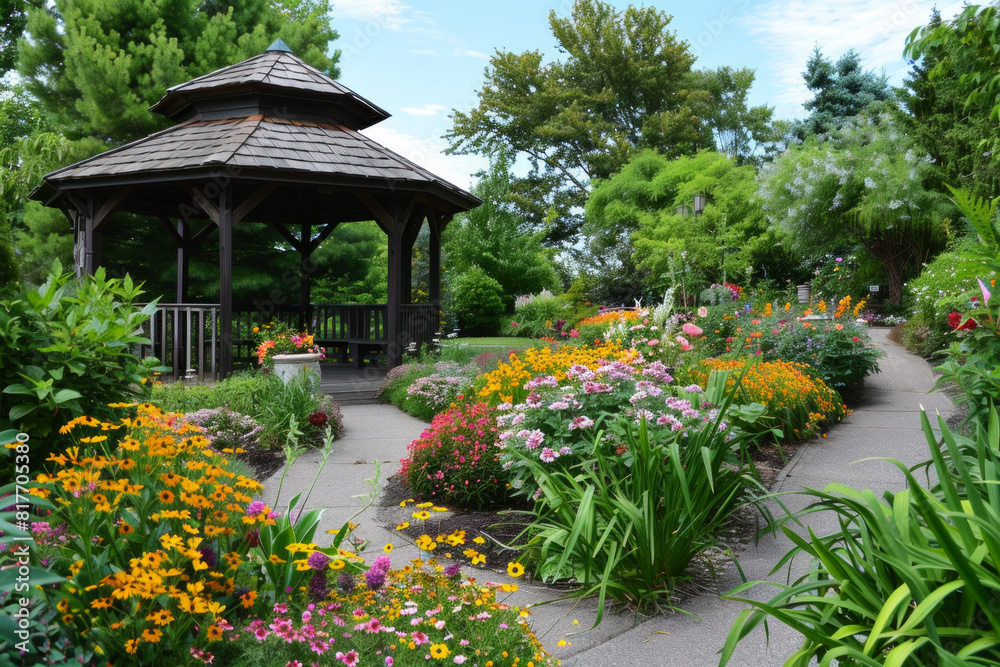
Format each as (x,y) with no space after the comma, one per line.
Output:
(275,71)
(274,118)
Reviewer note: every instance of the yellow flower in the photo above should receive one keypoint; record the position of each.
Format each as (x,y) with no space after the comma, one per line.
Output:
(405,524)
(439,651)
(131,646)
(387,548)
(152,635)
(423,515)
(337,564)
(275,559)
(515,569)
(160,617)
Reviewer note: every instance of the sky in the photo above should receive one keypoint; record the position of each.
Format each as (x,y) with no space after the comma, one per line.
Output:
(420,59)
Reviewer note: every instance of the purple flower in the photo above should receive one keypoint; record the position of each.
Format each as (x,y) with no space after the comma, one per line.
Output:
(693,388)
(452,570)
(376,574)
(318,560)
(255,508)
(839,259)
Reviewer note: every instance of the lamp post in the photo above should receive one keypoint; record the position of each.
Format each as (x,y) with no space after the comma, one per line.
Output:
(699,203)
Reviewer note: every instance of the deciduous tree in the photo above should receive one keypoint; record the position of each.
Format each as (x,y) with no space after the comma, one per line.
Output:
(624,84)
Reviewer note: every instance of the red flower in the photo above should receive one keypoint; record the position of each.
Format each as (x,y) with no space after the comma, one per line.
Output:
(318,419)
(955,322)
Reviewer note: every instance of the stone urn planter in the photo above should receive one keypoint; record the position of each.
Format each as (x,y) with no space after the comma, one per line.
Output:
(287,366)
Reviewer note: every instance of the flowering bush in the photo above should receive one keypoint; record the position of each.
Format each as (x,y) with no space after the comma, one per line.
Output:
(715,294)
(537,315)
(595,326)
(428,395)
(505,384)
(159,530)
(558,419)
(229,432)
(279,338)
(456,460)
(795,401)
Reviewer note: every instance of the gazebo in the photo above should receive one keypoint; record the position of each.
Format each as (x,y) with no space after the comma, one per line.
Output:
(274,141)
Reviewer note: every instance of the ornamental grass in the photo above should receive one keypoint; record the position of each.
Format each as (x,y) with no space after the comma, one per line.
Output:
(796,401)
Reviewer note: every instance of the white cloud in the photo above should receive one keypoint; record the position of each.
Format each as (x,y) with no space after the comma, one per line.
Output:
(426,110)
(387,14)
(789,30)
(470,53)
(428,152)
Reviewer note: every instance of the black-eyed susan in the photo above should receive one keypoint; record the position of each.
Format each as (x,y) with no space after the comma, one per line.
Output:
(274,558)
(152,635)
(131,646)
(214,633)
(387,548)
(160,617)
(125,528)
(166,497)
(439,651)
(515,569)
(337,564)
(403,526)
(423,515)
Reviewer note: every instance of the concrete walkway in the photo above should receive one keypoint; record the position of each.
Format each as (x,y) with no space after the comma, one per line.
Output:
(886,423)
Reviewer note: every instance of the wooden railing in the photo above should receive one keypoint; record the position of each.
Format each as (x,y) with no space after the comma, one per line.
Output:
(185,335)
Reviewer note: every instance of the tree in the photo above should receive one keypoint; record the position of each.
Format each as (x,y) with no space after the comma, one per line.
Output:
(860,185)
(747,135)
(841,91)
(97,66)
(13,19)
(624,84)
(645,209)
(494,238)
(949,123)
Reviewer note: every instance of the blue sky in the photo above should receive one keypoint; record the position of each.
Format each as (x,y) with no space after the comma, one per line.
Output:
(419,59)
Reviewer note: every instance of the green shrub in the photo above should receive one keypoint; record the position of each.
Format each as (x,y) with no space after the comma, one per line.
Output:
(67,350)
(455,461)
(538,315)
(908,579)
(477,303)
(276,406)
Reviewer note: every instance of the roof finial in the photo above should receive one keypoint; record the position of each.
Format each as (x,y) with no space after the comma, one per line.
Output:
(279,45)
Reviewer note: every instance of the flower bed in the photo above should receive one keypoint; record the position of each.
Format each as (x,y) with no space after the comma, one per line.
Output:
(794,400)
(505,384)
(164,556)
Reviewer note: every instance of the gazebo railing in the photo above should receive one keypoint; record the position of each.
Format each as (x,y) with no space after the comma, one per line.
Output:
(185,336)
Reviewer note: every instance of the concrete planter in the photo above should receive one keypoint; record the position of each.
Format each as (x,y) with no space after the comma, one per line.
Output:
(287,366)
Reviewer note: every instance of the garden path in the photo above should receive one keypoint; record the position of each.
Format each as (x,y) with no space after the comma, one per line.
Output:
(885,423)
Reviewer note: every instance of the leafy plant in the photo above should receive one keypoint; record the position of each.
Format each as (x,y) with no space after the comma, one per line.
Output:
(909,579)
(627,528)
(67,350)
(538,315)
(477,303)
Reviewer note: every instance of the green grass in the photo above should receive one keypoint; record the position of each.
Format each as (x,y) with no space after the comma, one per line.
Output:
(495,341)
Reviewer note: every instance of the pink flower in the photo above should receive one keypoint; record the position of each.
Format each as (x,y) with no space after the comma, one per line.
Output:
(691,330)
(350,658)
(572,334)
(703,312)
(654,342)
(839,259)
(986,293)
(685,345)
(513,325)
(419,638)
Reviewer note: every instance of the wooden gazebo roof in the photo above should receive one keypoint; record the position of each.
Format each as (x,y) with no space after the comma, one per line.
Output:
(268,140)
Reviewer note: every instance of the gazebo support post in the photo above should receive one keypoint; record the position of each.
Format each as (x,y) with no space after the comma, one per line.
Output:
(305,278)
(394,344)
(225,281)
(183,261)
(88,237)
(436,225)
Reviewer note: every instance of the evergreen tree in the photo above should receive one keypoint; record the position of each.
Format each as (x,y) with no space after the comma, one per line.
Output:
(841,91)
(96,66)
